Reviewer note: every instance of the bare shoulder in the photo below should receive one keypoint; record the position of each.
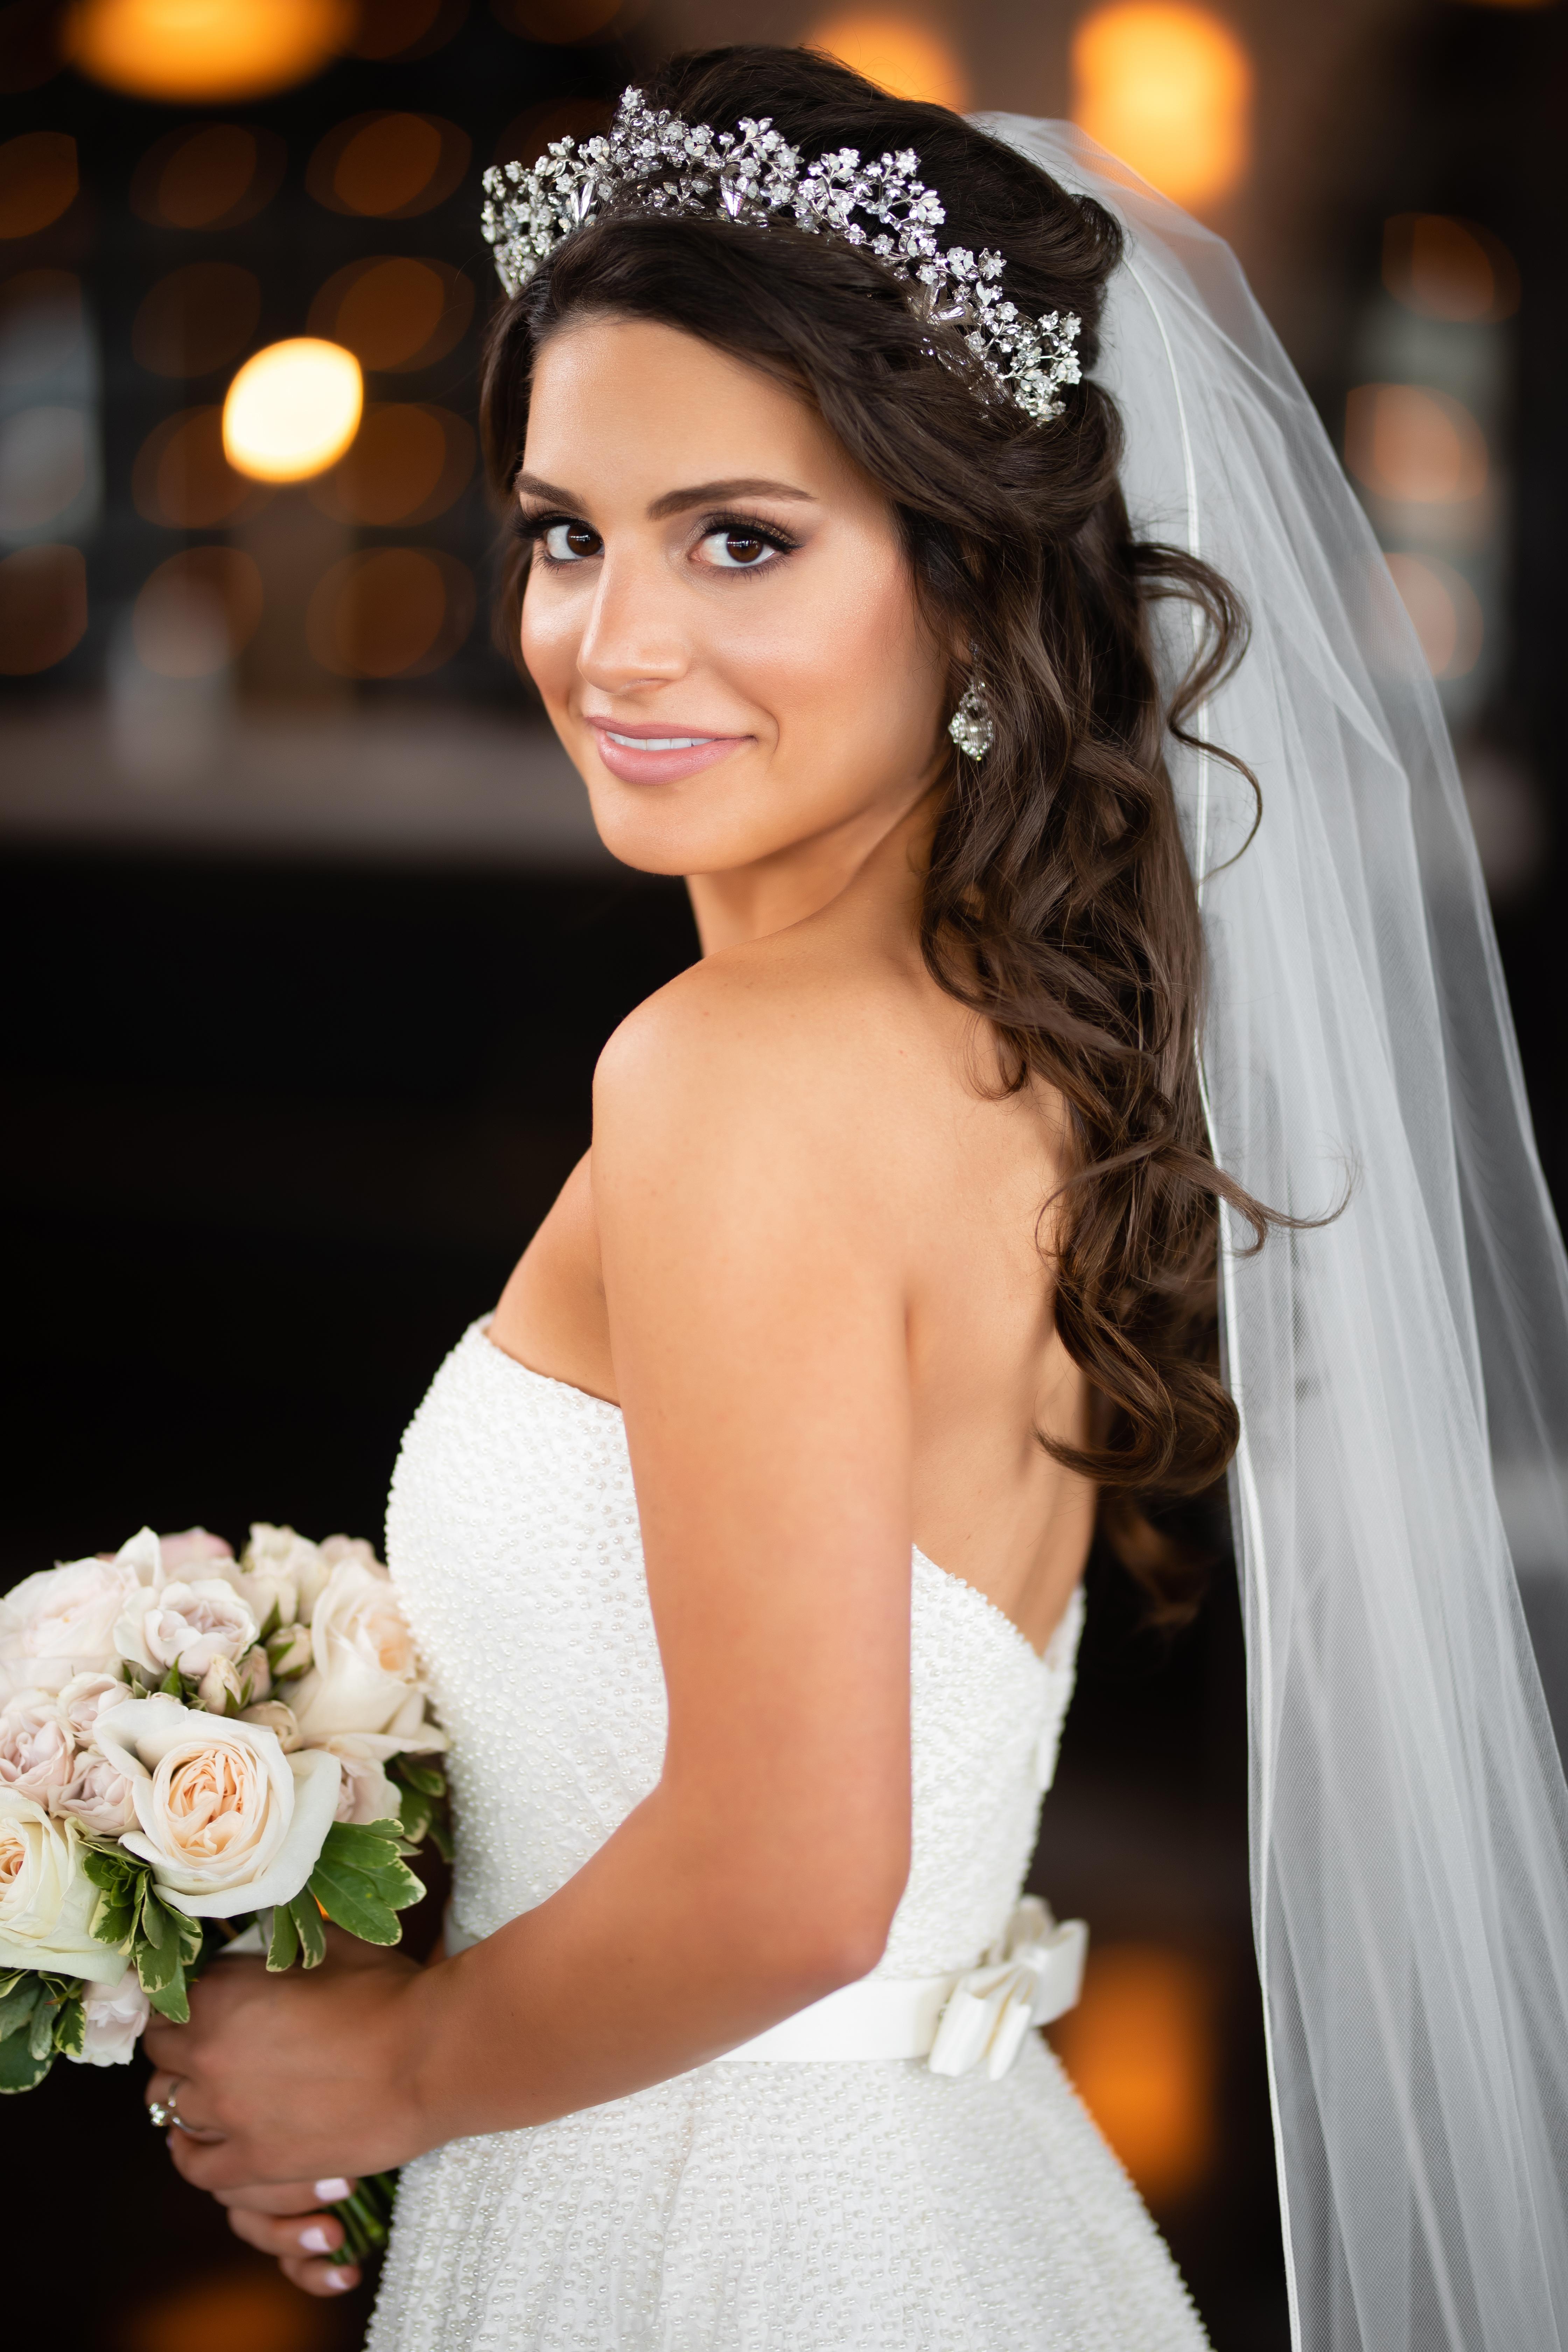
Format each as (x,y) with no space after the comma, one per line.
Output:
(773,1048)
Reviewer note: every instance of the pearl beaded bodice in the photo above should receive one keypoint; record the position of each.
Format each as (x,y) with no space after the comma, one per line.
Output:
(512,1535)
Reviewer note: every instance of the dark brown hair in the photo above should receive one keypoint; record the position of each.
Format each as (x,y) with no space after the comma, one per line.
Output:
(1059,903)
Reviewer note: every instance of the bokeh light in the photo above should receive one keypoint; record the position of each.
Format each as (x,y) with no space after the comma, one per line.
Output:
(40,323)
(1140,2047)
(405,29)
(409,462)
(394,312)
(388,166)
(1168,89)
(1448,268)
(1444,610)
(216,177)
(292,410)
(248,2310)
(46,464)
(37,180)
(196,52)
(528,134)
(905,58)
(43,607)
(394,612)
(196,318)
(182,477)
(196,612)
(1408,443)
(561,22)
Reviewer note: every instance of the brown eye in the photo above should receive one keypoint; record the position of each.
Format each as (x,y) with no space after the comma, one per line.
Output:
(570,542)
(739,551)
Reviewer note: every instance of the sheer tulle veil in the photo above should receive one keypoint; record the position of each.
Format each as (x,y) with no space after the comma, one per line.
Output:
(1402,1371)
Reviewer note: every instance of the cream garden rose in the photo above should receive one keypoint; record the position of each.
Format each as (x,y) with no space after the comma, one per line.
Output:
(365,1676)
(37,1751)
(114,2018)
(98,1795)
(188,1625)
(227,1821)
(47,1900)
(61,1622)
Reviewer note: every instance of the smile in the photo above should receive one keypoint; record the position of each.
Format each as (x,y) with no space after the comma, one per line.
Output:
(659,742)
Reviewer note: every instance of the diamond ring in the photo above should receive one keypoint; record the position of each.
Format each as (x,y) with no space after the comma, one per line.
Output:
(163,2113)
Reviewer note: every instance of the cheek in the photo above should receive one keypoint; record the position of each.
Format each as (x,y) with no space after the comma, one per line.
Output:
(551,633)
(854,667)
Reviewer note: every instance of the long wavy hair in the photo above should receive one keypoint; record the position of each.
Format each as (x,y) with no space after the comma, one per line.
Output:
(1059,903)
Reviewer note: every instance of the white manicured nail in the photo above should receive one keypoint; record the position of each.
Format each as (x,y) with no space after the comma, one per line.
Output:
(332,2192)
(338,2280)
(315,2240)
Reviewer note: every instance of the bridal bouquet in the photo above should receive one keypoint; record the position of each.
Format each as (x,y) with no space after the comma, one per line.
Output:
(192,1746)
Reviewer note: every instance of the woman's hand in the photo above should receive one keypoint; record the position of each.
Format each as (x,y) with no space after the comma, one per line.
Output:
(291,2222)
(300,2076)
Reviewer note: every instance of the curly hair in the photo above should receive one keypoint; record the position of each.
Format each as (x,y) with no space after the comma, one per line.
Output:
(1059,903)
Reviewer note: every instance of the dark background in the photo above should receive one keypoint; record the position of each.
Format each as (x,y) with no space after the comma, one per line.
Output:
(298,1039)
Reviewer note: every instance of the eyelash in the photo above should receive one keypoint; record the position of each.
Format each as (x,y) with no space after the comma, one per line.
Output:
(534,528)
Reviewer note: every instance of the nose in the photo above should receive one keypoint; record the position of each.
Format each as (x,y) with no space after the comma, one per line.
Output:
(632,636)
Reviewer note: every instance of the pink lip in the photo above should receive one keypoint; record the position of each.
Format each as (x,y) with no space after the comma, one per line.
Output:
(637,767)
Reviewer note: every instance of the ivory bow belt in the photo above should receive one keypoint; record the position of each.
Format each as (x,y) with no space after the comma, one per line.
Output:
(1033,1973)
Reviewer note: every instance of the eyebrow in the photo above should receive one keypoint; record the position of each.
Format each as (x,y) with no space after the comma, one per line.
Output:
(674,502)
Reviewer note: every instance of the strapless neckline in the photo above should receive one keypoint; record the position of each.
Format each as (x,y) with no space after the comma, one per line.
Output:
(1063,1642)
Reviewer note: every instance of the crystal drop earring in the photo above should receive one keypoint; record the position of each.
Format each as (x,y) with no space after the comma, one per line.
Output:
(972,727)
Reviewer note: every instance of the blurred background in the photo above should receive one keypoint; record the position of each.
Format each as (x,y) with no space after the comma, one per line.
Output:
(308,945)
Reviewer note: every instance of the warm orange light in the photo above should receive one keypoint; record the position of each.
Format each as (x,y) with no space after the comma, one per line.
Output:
(1409,444)
(194,51)
(1168,89)
(1447,269)
(1444,610)
(409,462)
(388,166)
(393,311)
(182,479)
(292,410)
(37,180)
(561,21)
(390,611)
(43,607)
(1140,2048)
(905,58)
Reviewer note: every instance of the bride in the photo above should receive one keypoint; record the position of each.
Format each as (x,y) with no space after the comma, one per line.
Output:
(744,1539)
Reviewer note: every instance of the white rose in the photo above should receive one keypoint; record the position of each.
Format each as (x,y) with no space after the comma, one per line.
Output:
(60,1622)
(229,1822)
(288,1651)
(364,1793)
(278,1718)
(98,1795)
(113,2019)
(84,1698)
(366,1674)
(279,1566)
(185,1625)
(47,1900)
(178,1554)
(37,1749)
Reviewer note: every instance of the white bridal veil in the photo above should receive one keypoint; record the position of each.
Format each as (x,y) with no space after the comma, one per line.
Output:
(1402,1371)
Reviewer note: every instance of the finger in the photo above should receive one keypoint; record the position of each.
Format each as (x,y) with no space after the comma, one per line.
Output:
(300,2233)
(295,2196)
(161,2040)
(321,2277)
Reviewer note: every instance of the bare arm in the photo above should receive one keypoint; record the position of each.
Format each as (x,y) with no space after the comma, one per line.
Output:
(757,1322)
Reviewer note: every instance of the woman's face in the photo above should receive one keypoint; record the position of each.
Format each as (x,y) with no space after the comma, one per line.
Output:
(720,614)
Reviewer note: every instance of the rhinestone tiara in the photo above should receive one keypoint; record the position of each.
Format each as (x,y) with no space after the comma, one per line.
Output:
(655,163)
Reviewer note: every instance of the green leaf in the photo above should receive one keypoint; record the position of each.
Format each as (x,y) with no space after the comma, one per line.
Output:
(414,1808)
(71,2025)
(274,1620)
(20,2070)
(172,1683)
(350,1898)
(114,1871)
(441,1836)
(17,2003)
(41,2030)
(171,2001)
(312,1935)
(152,1919)
(284,1949)
(417,1772)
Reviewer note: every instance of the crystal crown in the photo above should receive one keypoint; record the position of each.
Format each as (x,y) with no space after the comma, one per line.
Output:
(655,163)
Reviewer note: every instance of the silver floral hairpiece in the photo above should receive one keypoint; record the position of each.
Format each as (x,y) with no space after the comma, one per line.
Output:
(655,163)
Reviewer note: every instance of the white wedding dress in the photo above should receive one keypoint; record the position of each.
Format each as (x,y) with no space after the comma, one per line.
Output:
(816,2206)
